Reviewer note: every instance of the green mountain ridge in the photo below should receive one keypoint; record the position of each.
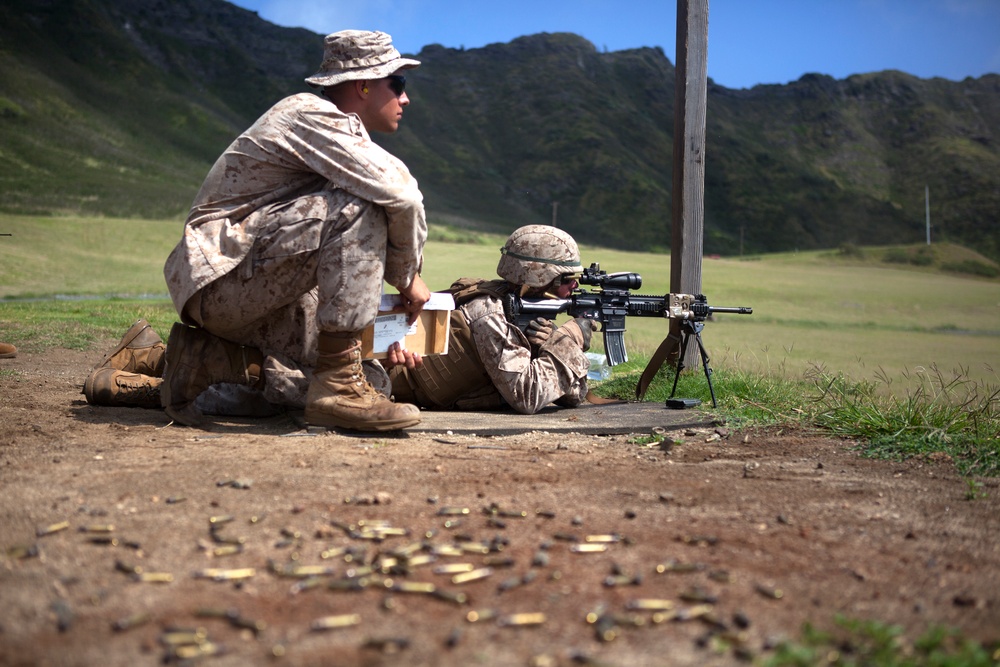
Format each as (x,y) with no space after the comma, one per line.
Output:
(119,107)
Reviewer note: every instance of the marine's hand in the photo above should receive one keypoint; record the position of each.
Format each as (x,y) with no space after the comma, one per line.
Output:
(400,357)
(587,329)
(414,298)
(539,330)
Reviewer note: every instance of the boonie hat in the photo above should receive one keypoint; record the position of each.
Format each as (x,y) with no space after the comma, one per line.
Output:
(354,55)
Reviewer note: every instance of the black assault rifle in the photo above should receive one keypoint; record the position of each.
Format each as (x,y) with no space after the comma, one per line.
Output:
(612,302)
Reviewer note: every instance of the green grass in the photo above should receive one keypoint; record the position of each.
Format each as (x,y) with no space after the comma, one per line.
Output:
(896,356)
(856,643)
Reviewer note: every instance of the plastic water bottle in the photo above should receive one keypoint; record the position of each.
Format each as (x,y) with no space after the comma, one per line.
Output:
(599,369)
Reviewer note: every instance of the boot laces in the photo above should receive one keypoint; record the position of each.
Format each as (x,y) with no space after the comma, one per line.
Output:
(136,391)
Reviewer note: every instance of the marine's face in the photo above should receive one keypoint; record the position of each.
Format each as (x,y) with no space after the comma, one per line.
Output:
(386,99)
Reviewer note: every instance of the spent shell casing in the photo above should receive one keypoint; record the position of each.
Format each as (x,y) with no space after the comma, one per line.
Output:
(605,629)
(454,597)
(193,652)
(333,552)
(220,519)
(241,623)
(310,571)
(219,538)
(694,612)
(51,529)
(173,500)
(698,595)
(663,616)
(454,568)
(513,514)
(474,575)
(97,528)
(545,514)
(588,548)
(348,584)
(508,584)
(407,551)
(103,540)
(306,584)
(478,615)
(127,568)
(634,620)
(474,548)
(227,550)
(21,551)
(387,563)
(386,644)
(153,577)
(133,621)
(420,559)
(446,550)
(216,612)
(621,580)
(565,537)
(649,604)
(334,622)
(603,539)
(183,637)
(769,591)
(498,561)
(535,618)
(453,511)
(418,587)
(679,568)
(234,574)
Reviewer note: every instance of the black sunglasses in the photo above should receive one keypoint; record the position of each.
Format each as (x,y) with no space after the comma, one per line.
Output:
(397,83)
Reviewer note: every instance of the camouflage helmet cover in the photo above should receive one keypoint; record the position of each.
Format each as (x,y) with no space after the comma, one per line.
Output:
(535,255)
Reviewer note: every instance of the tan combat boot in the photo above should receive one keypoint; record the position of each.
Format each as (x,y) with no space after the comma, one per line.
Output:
(140,354)
(340,395)
(7,351)
(140,351)
(195,361)
(110,386)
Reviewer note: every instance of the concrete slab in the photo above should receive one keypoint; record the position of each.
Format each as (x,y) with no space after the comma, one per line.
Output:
(590,419)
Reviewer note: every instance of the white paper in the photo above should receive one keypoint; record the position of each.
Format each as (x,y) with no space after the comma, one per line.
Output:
(438,301)
(389,329)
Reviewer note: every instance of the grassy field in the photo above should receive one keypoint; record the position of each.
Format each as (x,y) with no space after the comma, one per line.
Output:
(847,314)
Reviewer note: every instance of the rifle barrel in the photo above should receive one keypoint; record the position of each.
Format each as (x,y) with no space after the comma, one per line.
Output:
(738,310)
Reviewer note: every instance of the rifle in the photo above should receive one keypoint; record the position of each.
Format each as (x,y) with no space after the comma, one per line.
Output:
(612,302)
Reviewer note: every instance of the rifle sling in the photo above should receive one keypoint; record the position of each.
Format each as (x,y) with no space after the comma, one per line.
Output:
(666,348)
(600,400)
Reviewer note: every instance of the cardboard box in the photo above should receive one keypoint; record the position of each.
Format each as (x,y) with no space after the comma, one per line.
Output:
(427,336)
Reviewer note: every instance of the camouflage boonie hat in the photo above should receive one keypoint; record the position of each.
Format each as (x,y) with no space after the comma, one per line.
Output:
(535,255)
(355,55)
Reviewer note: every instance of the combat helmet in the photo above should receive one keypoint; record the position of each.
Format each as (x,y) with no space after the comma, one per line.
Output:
(535,255)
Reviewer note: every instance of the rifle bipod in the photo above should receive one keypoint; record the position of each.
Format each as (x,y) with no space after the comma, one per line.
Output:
(689,327)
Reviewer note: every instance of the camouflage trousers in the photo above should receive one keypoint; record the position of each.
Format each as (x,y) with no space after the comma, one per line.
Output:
(317,264)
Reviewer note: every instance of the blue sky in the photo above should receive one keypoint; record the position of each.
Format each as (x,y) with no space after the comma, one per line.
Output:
(749,41)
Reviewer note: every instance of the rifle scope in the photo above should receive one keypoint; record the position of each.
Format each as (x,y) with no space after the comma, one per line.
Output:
(594,276)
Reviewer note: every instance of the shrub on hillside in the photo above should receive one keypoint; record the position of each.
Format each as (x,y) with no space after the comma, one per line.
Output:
(972,267)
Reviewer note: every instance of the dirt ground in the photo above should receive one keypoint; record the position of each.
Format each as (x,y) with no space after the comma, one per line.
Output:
(747,535)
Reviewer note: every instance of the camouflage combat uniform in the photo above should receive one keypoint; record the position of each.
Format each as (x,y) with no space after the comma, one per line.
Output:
(490,362)
(292,233)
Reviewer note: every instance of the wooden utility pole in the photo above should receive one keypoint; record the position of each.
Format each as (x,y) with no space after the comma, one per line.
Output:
(690,105)
(688,224)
